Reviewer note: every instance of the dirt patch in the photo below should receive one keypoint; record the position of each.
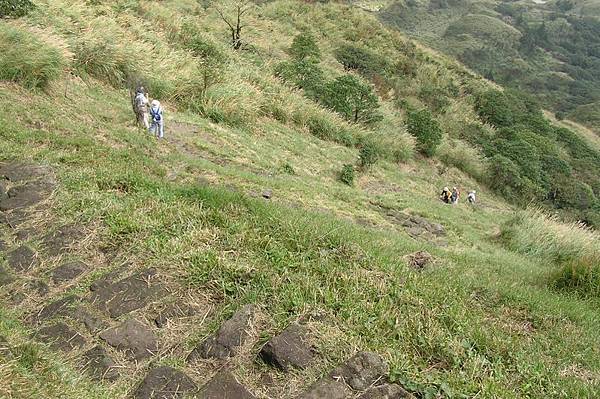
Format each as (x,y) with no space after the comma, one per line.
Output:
(127,295)
(61,337)
(26,195)
(5,277)
(133,338)
(225,385)
(18,172)
(99,365)
(39,287)
(420,260)
(289,349)
(168,383)
(232,334)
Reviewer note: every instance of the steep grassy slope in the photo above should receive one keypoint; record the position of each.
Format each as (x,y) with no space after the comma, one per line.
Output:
(481,320)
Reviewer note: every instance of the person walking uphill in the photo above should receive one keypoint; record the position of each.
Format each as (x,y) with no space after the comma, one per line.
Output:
(158,123)
(455,195)
(140,104)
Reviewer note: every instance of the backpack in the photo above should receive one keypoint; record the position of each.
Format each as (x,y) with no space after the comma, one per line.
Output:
(156,116)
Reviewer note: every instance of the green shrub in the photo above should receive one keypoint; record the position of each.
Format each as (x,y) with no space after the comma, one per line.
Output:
(303,74)
(581,276)
(347,174)
(369,154)
(353,99)
(27,60)
(15,8)
(365,62)
(426,130)
(326,129)
(288,169)
(304,47)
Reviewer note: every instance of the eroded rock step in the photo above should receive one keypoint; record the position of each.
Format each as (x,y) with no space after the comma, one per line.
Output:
(232,334)
(289,349)
(167,383)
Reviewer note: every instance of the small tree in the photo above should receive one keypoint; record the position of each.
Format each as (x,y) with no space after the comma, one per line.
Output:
(426,130)
(15,8)
(237,8)
(304,74)
(368,155)
(347,175)
(353,99)
(304,47)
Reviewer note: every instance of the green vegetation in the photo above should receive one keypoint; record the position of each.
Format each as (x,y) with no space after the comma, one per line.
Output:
(548,49)
(15,8)
(492,318)
(426,130)
(26,59)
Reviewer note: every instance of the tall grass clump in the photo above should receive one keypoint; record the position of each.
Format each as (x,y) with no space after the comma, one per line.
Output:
(573,247)
(27,60)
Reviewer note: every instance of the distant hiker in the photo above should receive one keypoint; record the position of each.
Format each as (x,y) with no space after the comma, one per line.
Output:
(455,195)
(446,195)
(157,127)
(140,105)
(471,197)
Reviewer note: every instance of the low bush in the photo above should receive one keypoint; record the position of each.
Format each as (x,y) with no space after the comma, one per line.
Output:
(347,174)
(15,8)
(426,130)
(581,276)
(353,99)
(369,154)
(304,47)
(26,59)
(326,129)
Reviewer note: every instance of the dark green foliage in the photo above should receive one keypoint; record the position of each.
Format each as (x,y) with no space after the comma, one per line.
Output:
(369,154)
(495,108)
(305,47)
(572,193)
(303,74)
(288,169)
(347,174)
(362,60)
(581,276)
(426,130)
(505,177)
(353,99)
(15,8)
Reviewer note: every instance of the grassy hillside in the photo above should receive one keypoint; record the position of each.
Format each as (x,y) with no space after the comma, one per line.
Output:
(500,311)
(548,49)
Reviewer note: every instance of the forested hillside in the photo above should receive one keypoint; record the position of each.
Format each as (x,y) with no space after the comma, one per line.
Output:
(548,49)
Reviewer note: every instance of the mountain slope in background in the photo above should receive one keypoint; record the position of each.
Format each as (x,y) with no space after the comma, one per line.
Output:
(549,49)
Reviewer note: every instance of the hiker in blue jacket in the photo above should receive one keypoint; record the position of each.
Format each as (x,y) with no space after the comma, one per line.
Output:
(157,127)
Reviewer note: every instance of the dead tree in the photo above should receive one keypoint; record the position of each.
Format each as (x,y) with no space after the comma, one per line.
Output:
(240,7)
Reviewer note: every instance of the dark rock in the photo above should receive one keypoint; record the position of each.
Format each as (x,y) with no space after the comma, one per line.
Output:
(224,385)
(25,196)
(60,308)
(415,226)
(386,391)
(267,194)
(232,334)
(127,295)
(327,388)
(361,371)
(93,323)
(61,337)
(3,246)
(172,312)
(38,286)
(5,277)
(133,338)
(26,234)
(14,218)
(420,259)
(62,239)
(288,349)
(68,272)
(99,365)
(22,259)
(167,383)
(17,172)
